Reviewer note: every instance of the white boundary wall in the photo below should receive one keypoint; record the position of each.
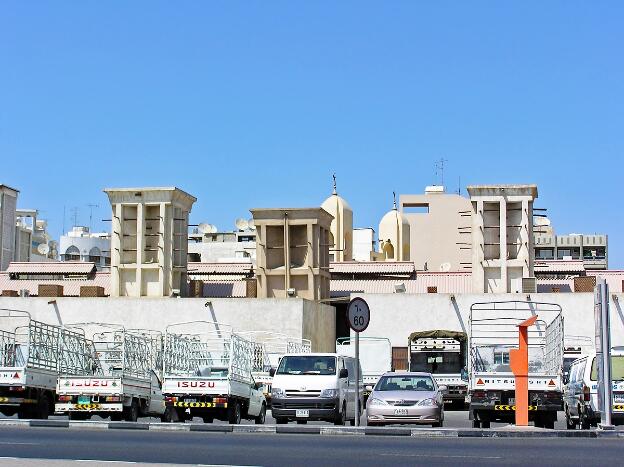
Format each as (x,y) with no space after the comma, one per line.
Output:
(293,316)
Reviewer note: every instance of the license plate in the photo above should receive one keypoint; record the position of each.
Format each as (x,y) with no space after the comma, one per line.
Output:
(190,400)
(84,399)
(512,401)
(302,413)
(400,411)
(618,397)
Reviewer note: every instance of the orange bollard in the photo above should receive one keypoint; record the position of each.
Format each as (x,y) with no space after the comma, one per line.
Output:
(519,362)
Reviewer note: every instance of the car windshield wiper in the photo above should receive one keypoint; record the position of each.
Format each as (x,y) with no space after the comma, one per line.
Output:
(312,372)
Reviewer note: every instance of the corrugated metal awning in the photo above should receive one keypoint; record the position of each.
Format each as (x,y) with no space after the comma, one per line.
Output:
(51,267)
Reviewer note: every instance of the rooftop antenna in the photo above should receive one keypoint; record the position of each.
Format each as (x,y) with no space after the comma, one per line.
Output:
(334,177)
(439,169)
(64,231)
(394,200)
(74,212)
(459,185)
(91,206)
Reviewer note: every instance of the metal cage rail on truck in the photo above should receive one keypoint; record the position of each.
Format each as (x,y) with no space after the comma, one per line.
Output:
(124,380)
(493,332)
(207,371)
(32,354)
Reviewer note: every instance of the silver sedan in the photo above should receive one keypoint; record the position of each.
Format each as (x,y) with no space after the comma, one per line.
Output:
(406,398)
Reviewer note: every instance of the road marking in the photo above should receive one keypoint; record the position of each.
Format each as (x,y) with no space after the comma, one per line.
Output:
(11,443)
(394,454)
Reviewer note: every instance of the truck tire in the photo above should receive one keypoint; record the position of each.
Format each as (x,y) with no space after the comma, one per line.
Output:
(131,414)
(341,417)
(485,423)
(476,423)
(169,415)
(234,414)
(42,410)
(261,418)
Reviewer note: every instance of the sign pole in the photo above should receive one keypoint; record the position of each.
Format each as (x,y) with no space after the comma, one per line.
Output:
(603,352)
(358,316)
(357,379)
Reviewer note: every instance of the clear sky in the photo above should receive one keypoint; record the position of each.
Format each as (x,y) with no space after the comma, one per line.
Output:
(256,104)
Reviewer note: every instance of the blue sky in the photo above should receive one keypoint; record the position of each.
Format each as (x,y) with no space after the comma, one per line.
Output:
(256,104)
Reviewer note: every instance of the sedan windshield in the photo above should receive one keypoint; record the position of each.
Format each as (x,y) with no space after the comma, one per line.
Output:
(405,383)
(307,365)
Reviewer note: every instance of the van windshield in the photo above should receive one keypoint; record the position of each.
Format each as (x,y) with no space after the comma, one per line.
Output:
(617,368)
(307,365)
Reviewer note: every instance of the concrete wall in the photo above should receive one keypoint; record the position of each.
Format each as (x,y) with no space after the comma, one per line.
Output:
(294,317)
(395,316)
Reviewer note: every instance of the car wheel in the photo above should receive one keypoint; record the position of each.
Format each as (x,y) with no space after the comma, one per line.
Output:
(261,418)
(341,417)
(439,424)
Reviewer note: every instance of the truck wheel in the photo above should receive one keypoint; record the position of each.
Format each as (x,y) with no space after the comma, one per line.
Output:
(485,423)
(43,408)
(169,415)
(341,417)
(234,414)
(261,418)
(131,414)
(476,423)
(585,423)
(549,424)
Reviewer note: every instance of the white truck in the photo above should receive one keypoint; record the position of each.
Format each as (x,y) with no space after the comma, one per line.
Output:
(375,358)
(208,374)
(443,354)
(124,380)
(269,348)
(491,387)
(31,354)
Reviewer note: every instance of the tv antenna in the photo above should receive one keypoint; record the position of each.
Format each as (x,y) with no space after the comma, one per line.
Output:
(439,169)
(74,213)
(91,206)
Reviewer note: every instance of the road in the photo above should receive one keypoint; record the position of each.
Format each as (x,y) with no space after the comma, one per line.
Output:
(300,450)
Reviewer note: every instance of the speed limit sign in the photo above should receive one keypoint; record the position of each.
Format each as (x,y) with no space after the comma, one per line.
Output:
(358,314)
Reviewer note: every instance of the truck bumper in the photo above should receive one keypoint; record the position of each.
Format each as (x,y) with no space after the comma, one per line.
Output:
(93,407)
(15,401)
(318,408)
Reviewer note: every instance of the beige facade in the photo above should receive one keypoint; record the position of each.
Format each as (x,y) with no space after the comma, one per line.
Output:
(292,252)
(341,227)
(149,241)
(8,204)
(502,237)
(439,230)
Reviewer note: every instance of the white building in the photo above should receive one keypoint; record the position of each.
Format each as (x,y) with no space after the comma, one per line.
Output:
(82,245)
(206,246)
(32,241)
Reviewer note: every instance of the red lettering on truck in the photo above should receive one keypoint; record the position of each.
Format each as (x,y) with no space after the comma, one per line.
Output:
(196,384)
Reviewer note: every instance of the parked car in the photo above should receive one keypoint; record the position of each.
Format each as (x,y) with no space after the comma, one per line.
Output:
(580,396)
(315,386)
(406,397)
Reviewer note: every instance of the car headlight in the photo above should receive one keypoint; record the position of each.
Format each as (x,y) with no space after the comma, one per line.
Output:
(277,392)
(375,401)
(329,393)
(428,402)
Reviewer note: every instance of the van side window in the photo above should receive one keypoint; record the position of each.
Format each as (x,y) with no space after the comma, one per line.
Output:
(573,372)
(581,370)
(351,369)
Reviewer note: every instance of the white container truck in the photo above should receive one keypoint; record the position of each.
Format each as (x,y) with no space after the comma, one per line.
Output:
(493,332)
(124,381)
(375,358)
(31,355)
(443,354)
(208,374)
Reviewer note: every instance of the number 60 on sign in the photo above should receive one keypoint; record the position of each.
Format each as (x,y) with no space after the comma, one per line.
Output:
(358,314)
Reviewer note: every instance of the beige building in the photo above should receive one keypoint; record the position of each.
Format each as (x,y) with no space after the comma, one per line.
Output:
(292,253)
(341,227)
(8,205)
(439,229)
(502,237)
(149,241)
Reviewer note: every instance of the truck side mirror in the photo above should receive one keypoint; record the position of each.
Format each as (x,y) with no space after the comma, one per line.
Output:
(272,372)
(344,373)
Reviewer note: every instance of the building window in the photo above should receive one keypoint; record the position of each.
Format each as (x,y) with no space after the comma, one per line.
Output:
(71,254)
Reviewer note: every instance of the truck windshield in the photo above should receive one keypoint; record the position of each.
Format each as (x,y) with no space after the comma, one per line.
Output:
(617,368)
(436,362)
(307,365)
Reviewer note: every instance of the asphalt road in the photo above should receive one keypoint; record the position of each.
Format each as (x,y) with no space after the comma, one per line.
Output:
(300,450)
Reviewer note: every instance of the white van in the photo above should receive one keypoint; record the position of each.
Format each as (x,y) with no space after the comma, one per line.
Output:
(315,386)
(580,395)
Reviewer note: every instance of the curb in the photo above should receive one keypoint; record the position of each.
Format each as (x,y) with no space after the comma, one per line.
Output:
(316,430)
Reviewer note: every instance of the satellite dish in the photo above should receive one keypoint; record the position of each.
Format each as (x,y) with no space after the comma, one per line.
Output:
(251,224)
(43,249)
(203,228)
(241,224)
(445,267)
(213,228)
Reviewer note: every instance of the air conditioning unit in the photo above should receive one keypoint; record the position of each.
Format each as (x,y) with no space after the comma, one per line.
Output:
(529,285)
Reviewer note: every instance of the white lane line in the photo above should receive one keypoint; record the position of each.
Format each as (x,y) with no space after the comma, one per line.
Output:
(11,443)
(441,456)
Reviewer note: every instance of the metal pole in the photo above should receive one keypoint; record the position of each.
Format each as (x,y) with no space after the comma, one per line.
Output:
(605,384)
(357,379)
